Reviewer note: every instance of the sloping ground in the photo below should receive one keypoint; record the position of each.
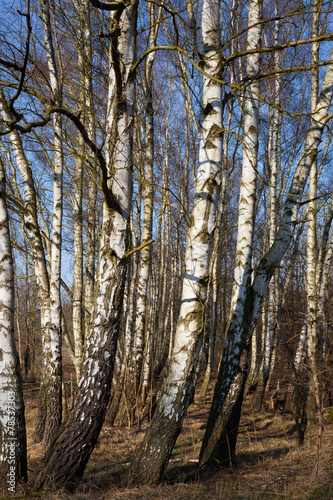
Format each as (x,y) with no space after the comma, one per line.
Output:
(269,463)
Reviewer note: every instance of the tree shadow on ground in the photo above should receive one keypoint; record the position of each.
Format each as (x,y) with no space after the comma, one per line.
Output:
(256,457)
(190,472)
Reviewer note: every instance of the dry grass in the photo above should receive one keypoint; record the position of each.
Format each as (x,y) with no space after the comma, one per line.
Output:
(269,463)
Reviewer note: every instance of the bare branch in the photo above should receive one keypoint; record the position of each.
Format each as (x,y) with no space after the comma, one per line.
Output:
(137,249)
(110,6)
(25,62)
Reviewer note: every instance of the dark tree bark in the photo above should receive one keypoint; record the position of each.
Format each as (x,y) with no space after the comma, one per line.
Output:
(68,455)
(232,373)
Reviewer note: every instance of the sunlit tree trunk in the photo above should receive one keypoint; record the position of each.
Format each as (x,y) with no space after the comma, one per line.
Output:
(85,163)
(314,402)
(76,441)
(78,230)
(246,206)
(214,258)
(120,387)
(272,216)
(31,227)
(177,392)
(52,346)
(91,170)
(221,434)
(147,197)
(162,271)
(13,446)
(78,264)
(323,274)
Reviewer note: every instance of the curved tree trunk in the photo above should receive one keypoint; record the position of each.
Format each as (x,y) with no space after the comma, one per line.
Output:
(222,427)
(177,392)
(68,456)
(66,459)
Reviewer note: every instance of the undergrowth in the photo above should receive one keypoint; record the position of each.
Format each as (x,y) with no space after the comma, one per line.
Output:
(270,465)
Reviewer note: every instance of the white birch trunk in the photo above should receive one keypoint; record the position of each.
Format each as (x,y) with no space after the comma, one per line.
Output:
(31,226)
(323,274)
(92,226)
(301,350)
(54,366)
(78,265)
(222,427)
(177,392)
(84,66)
(214,257)
(76,441)
(272,214)
(247,194)
(162,283)
(148,198)
(314,403)
(13,447)
(145,257)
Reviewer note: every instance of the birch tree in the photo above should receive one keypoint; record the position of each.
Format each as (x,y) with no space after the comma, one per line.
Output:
(177,392)
(76,441)
(311,247)
(272,214)
(147,195)
(52,345)
(13,447)
(32,229)
(247,195)
(221,433)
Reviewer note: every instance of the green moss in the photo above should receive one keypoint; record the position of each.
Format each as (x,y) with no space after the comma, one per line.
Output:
(330,415)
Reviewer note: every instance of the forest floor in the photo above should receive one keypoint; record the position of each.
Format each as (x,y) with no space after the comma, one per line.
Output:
(270,465)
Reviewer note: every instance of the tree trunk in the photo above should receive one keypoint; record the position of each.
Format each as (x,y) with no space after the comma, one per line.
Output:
(31,226)
(13,446)
(52,349)
(66,459)
(177,392)
(314,402)
(221,433)
(272,289)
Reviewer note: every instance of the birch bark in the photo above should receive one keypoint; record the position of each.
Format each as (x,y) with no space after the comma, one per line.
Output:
(246,210)
(52,347)
(313,403)
(148,197)
(323,273)
(121,387)
(221,434)
(214,259)
(272,290)
(85,164)
(247,194)
(78,264)
(92,225)
(32,229)
(13,446)
(177,392)
(76,441)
